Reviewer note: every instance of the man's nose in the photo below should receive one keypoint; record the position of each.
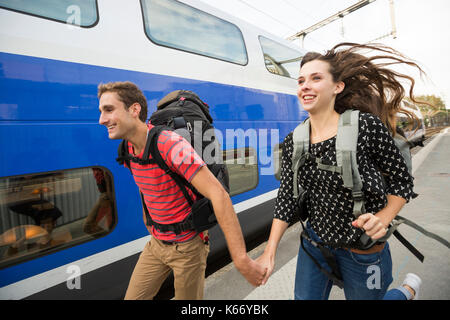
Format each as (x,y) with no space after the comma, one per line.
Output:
(102,120)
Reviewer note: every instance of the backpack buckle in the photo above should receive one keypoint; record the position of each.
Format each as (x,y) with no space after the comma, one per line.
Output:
(179,122)
(358,195)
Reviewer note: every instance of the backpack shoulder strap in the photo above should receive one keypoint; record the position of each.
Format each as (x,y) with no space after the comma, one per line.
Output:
(122,154)
(300,139)
(152,149)
(404,147)
(346,143)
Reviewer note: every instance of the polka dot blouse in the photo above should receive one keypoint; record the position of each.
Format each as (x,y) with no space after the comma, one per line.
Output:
(330,205)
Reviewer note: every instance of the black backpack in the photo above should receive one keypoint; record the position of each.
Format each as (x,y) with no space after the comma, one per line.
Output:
(184,112)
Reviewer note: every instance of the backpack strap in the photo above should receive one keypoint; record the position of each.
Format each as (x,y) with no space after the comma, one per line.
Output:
(335,273)
(404,146)
(152,149)
(300,138)
(177,228)
(399,220)
(346,143)
(125,157)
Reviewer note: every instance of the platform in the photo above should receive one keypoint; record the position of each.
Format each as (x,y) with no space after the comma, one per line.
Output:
(431,210)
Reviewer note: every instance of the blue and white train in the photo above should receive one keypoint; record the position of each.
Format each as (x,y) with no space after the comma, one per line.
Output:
(70,217)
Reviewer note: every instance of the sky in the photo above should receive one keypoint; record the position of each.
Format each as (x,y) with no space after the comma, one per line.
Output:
(423,30)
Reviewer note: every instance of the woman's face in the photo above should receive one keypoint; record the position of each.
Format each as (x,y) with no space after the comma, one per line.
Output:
(316,88)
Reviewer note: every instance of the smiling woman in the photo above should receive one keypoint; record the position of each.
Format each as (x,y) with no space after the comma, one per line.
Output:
(352,101)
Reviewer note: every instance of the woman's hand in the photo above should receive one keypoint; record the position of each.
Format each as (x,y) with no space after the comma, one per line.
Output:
(267,261)
(372,225)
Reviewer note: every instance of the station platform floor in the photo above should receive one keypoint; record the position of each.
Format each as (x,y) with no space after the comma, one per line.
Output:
(431,210)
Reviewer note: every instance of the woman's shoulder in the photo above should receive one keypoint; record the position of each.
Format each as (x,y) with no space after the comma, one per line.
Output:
(288,144)
(289,137)
(367,116)
(370,123)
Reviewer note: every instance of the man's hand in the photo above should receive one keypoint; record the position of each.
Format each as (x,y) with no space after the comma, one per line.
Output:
(207,184)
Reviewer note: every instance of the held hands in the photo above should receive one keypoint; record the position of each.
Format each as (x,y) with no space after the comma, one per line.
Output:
(371,224)
(253,271)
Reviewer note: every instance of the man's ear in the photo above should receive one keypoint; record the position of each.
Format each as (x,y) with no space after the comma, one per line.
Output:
(135,109)
(340,86)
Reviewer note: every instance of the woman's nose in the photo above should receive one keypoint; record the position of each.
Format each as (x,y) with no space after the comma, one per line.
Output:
(304,85)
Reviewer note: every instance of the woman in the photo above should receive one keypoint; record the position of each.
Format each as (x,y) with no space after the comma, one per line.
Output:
(329,84)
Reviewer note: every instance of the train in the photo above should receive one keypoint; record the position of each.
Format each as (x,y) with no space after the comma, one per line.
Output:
(70,217)
(414,131)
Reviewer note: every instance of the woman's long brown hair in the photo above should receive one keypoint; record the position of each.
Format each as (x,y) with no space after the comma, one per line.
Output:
(369,85)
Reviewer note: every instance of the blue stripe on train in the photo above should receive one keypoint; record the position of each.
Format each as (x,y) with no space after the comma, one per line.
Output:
(48,122)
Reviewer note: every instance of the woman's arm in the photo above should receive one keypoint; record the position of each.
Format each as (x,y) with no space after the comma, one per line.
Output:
(267,259)
(375,225)
(399,183)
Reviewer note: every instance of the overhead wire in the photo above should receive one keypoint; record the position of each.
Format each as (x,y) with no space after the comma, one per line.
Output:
(268,15)
(300,11)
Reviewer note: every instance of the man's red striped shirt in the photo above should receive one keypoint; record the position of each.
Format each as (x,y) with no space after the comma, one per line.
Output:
(164,199)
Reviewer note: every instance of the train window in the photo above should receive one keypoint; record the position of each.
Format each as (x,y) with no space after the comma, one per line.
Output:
(42,213)
(280,59)
(242,168)
(76,12)
(174,24)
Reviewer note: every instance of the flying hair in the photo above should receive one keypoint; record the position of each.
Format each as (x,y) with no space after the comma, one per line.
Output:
(370,85)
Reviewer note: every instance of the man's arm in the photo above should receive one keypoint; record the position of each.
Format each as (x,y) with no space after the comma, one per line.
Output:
(205,183)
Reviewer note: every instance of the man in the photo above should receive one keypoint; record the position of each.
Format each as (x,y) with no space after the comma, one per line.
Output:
(123,110)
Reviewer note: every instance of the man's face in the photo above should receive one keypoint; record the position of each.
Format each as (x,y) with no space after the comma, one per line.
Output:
(114,116)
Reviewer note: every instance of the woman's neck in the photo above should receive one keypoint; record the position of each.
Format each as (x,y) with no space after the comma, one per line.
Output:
(324,125)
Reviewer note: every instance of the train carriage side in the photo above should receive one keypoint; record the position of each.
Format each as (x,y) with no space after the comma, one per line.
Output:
(70,216)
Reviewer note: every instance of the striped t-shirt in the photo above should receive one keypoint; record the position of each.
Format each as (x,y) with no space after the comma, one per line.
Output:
(165,201)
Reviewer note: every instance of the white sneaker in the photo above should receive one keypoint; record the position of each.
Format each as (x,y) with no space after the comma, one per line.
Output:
(412,280)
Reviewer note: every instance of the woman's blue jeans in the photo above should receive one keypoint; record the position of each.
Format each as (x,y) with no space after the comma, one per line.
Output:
(365,276)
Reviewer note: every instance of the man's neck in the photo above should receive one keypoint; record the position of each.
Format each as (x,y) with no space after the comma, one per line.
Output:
(139,138)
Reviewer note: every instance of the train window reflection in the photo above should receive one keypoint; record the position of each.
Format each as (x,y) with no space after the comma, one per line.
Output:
(280,59)
(77,12)
(42,213)
(174,24)
(242,168)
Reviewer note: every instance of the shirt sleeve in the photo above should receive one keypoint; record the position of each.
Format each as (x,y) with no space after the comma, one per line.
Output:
(385,154)
(285,203)
(179,154)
